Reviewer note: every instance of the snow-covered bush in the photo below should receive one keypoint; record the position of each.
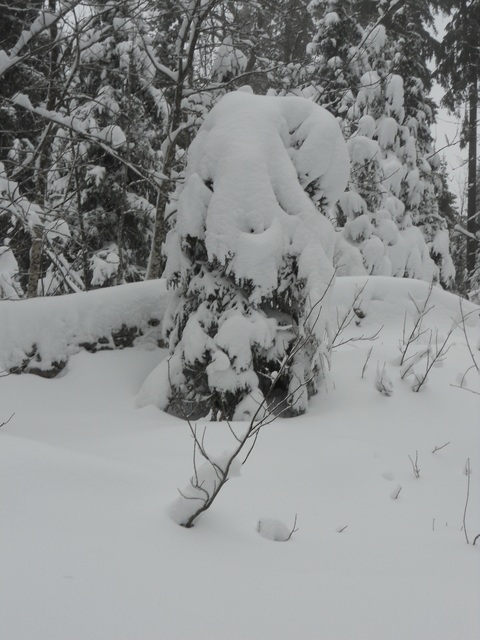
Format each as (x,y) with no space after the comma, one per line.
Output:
(250,259)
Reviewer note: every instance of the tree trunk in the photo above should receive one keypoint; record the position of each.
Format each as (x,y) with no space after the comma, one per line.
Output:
(34,271)
(472,218)
(155,261)
(36,250)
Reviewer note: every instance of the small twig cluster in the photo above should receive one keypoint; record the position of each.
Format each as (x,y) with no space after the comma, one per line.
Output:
(383,382)
(353,314)
(419,363)
(475,365)
(414,463)
(417,331)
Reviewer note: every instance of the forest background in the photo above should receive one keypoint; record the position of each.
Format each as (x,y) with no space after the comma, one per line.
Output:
(100,101)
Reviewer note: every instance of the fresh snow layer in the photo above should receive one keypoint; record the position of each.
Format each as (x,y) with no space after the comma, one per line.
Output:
(89,550)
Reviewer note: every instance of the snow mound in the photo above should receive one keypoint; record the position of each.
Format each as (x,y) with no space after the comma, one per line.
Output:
(388,300)
(38,335)
(273,529)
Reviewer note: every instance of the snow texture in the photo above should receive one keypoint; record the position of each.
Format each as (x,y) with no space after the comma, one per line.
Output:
(89,551)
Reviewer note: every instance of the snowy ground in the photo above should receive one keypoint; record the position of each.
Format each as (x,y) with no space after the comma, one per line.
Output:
(88,551)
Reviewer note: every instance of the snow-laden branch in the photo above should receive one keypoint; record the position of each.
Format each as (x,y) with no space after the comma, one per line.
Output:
(109,138)
(173,75)
(44,21)
(465,232)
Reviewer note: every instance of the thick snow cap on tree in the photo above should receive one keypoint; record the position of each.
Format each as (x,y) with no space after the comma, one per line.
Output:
(260,154)
(250,255)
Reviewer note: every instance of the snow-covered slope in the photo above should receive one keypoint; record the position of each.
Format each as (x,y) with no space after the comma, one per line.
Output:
(88,550)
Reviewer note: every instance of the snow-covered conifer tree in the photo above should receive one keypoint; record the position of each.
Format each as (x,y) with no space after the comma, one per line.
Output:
(334,55)
(390,210)
(250,259)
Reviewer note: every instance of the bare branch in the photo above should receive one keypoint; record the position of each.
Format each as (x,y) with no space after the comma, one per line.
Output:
(457,386)
(293,530)
(366,361)
(7,421)
(441,447)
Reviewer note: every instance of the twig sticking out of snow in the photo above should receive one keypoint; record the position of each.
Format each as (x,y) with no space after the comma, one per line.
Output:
(383,382)
(213,473)
(366,361)
(416,332)
(395,493)
(441,447)
(276,530)
(462,325)
(467,473)
(7,421)
(415,467)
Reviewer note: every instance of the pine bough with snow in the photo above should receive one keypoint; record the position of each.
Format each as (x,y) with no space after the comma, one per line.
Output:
(250,260)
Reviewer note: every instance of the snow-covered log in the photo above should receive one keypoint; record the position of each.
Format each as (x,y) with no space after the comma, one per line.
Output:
(250,258)
(38,335)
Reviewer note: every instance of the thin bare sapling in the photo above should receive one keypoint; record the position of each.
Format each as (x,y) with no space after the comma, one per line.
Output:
(211,472)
